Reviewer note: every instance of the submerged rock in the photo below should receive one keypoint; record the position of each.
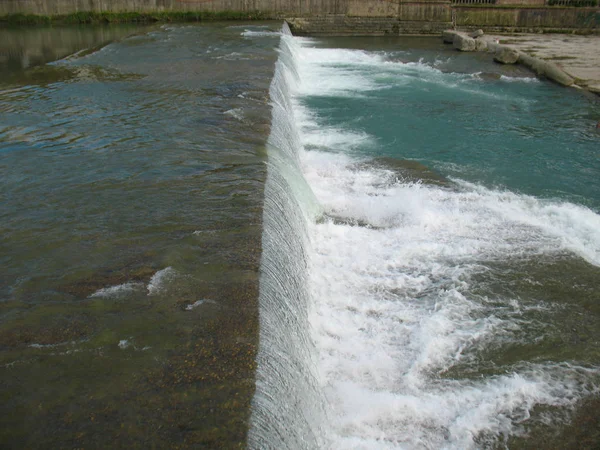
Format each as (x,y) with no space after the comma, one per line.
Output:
(489,76)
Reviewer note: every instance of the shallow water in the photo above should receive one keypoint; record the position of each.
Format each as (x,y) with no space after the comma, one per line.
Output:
(131,195)
(449,232)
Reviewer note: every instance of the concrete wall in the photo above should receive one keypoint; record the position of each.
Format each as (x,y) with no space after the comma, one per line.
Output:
(279,8)
(372,8)
(525,19)
(350,16)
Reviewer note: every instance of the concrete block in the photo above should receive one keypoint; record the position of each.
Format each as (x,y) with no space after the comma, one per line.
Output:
(464,43)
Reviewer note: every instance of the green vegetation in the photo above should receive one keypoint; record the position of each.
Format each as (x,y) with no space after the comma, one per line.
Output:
(129,17)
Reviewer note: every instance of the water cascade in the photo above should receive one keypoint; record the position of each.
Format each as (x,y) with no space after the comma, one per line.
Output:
(287,409)
(401,310)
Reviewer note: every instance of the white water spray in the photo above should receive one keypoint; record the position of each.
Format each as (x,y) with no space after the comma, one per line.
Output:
(287,410)
(363,326)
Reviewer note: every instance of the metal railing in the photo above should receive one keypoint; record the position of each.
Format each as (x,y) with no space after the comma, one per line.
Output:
(474,2)
(575,3)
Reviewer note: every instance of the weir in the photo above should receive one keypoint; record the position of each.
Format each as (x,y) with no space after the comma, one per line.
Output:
(287,411)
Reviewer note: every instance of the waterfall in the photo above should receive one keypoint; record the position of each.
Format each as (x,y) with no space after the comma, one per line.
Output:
(375,318)
(287,409)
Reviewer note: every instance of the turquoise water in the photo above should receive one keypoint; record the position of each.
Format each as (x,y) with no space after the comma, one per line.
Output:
(445,213)
(515,132)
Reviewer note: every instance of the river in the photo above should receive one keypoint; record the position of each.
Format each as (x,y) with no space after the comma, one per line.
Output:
(221,235)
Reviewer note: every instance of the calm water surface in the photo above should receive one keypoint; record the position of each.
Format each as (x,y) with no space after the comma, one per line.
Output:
(130,221)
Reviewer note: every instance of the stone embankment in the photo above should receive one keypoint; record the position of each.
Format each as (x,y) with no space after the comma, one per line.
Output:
(579,64)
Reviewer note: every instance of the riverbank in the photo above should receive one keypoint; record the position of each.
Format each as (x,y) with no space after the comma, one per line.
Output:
(570,60)
(577,56)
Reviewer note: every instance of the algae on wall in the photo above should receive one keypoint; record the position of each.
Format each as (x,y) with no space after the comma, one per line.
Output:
(551,17)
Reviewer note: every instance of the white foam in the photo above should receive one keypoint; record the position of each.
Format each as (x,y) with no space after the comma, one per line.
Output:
(519,79)
(236,113)
(159,280)
(451,415)
(60,344)
(252,34)
(233,56)
(354,73)
(197,303)
(120,290)
(393,309)
(575,228)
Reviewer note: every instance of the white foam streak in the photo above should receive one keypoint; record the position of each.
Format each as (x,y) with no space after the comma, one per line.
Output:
(156,285)
(519,79)
(576,228)
(326,72)
(120,290)
(252,34)
(159,280)
(451,416)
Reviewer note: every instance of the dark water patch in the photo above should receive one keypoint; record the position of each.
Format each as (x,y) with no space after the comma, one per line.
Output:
(183,377)
(488,76)
(582,431)
(561,279)
(50,74)
(40,328)
(22,49)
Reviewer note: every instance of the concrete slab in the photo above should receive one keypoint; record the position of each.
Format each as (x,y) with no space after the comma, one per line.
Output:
(578,56)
